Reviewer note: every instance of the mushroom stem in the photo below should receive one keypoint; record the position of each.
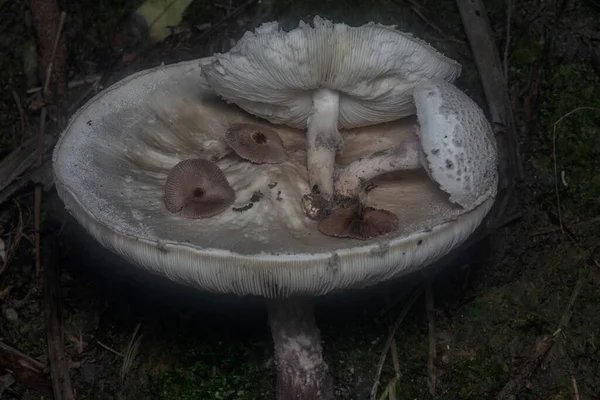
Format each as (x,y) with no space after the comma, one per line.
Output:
(302,374)
(323,140)
(354,177)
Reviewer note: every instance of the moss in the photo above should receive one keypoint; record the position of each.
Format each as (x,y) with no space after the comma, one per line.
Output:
(223,370)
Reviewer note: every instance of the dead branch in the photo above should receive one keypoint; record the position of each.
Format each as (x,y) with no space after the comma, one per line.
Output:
(481,39)
(46,18)
(217,25)
(59,365)
(25,369)
(430,310)
(21,160)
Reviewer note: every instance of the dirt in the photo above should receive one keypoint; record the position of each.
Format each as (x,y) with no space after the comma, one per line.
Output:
(531,282)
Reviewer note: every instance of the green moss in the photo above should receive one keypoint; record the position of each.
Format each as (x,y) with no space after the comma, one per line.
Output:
(577,137)
(207,371)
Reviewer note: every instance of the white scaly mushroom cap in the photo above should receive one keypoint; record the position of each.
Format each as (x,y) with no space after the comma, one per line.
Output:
(458,143)
(272,73)
(111,163)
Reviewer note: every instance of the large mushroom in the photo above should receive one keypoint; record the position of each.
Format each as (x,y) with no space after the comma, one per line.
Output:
(112,163)
(324,77)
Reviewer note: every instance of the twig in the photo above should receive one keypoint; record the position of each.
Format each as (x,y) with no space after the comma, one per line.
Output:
(393,347)
(419,10)
(59,366)
(25,369)
(481,39)
(15,241)
(548,231)
(131,353)
(390,390)
(555,161)
(41,136)
(507,44)
(430,310)
(237,11)
(110,349)
(575,389)
(92,79)
(22,117)
(391,335)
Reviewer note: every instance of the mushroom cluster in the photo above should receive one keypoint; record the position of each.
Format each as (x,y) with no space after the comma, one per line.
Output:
(159,169)
(325,77)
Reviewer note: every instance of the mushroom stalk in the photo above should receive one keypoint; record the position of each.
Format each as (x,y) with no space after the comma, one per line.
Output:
(323,140)
(354,177)
(302,374)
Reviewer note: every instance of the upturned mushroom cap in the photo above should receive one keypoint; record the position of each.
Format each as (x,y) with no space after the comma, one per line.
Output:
(273,74)
(112,161)
(197,188)
(256,143)
(458,143)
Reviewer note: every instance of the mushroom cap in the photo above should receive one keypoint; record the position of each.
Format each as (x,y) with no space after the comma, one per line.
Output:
(197,188)
(256,143)
(458,143)
(272,74)
(111,163)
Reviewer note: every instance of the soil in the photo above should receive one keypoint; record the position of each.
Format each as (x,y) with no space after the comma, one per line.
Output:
(129,335)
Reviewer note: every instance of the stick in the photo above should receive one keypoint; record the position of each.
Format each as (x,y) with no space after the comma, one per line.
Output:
(507,40)
(388,343)
(41,136)
(25,369)
(430,310)
(226,18)
(481,39)
(59,366)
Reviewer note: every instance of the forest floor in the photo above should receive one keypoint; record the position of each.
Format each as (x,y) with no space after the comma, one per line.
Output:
(522,306)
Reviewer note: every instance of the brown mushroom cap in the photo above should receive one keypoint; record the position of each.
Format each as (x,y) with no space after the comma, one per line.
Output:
(358,223)
(197,188)
(256,143)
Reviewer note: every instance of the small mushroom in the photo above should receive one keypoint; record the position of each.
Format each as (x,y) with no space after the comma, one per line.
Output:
(358,223)
(256,143)
(197,188)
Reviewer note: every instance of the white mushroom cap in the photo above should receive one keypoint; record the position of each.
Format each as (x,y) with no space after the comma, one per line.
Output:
(272,74)
(458,143)
(112,161)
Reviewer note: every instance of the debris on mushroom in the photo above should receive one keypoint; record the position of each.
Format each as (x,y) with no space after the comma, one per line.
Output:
(197,188)
(326,77)
(256,143)
(358,223)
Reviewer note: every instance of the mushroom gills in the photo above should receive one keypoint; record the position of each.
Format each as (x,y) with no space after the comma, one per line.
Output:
(256,143)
